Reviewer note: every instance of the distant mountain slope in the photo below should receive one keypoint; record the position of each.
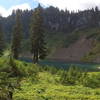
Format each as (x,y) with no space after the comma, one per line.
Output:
(84,48)
(72,36)
(74,52)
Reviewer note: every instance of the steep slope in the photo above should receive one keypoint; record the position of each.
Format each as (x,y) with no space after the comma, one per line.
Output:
(75,51)
(84,48)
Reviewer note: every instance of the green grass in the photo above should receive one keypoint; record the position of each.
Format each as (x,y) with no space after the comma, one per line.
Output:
(47,88)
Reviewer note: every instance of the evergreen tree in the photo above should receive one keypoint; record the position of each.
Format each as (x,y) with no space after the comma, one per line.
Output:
(9,79)
(1,40)
(17,36)
(97,15)
(37,35)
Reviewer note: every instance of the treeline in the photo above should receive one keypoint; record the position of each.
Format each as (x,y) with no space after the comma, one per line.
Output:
(55,20)
(37,41)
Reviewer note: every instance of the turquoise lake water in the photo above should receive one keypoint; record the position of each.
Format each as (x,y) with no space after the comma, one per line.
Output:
(65,65)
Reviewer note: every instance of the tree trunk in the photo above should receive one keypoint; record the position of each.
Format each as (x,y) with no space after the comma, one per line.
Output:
(35,57)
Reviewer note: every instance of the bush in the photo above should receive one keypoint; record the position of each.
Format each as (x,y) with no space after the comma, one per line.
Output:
(92,81)
(72,76)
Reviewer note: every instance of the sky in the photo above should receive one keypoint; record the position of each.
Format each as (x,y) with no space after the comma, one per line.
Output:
(7,6)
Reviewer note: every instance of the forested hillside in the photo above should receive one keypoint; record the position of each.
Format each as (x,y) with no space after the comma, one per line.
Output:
(79,46)
(62,29)
(56,20)
(44,35)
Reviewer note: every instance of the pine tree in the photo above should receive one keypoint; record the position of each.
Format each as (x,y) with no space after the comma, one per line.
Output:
(37,35)
(17,36)
(97,16)
(9,79)
(1,40)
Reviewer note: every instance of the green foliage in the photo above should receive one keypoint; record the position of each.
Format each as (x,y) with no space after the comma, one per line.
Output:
(71,38)
(38,48)
(11,73)
(36,82)
(91,35)
(92,81)
(49,89)
(52,70)
(17,36)
(44,83)
(9,80)
(95,52)
(72,76)
(2,43)
(76,76)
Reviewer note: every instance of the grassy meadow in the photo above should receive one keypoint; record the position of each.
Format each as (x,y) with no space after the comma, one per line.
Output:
(51,83)
(47,88)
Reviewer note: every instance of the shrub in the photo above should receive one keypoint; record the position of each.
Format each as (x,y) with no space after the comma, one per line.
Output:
(7,85)
(92,81)
(71,76)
